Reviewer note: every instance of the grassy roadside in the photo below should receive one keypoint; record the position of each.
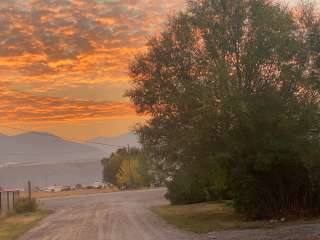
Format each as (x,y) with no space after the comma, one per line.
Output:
(39,195)
(80,192)
(206,217)
(13,226)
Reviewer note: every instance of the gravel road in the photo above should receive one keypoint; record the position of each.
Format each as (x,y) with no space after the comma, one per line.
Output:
(112,216)
(125,216)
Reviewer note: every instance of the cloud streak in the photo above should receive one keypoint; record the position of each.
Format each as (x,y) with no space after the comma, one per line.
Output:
(22,107)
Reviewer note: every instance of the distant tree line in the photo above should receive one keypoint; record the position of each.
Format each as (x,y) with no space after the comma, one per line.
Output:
(128,168)
(231,89)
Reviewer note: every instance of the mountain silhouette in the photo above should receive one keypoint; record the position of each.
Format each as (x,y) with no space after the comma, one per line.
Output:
(41,147)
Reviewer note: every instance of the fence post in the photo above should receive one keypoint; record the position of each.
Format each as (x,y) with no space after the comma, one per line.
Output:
(13,203)
(0,203)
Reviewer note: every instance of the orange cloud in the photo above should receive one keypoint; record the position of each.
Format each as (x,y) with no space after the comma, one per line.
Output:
(54,54)
(67,42)
(22,107)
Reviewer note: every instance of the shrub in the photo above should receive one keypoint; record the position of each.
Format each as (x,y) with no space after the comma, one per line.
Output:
(185,192)
(25,205)
(191,184)
(217,193)
(281,187)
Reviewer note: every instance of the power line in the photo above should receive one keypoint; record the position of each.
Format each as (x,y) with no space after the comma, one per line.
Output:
(105,144)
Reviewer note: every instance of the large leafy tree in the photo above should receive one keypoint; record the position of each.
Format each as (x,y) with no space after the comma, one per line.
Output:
(111,165)
(128,174)
(235,84)
(128,167)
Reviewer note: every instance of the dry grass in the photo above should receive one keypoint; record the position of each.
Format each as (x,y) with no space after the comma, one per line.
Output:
(206,217)
(12,227)
(39,195)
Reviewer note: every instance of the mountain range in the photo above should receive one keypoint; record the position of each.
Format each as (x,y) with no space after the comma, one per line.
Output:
(40,147)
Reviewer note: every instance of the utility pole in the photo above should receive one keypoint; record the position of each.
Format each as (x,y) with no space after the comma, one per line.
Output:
(130,173)
(29,190)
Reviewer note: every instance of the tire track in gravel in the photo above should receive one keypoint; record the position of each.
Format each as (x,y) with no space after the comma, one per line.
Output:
(116,216)
(126,216)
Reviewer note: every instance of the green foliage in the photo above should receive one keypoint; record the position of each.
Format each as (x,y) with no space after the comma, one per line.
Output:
(235,85)
(129,168)
(128,174)
(281,189)
(25,205)
(112,165)
(195,183)
(186,187)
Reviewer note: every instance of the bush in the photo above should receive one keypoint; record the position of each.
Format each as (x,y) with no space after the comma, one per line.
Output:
(192,184)
(25,205)
(217,193)
(282,187)
(185,192)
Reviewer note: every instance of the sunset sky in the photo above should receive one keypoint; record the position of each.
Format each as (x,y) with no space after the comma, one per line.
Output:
(64,63)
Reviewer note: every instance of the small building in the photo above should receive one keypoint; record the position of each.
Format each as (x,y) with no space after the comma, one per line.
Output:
(54,188)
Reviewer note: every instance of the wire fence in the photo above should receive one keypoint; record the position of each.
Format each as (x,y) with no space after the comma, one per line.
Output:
(8,199)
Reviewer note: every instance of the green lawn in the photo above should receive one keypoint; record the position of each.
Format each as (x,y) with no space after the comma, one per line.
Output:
(14,226)
(206,217)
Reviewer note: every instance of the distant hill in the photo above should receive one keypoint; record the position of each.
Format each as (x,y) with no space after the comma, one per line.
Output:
(61,173)
(46,159)
(113,143)
(39,147)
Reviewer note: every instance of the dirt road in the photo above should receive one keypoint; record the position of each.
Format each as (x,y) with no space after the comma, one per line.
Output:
(112,216)
(126,216)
